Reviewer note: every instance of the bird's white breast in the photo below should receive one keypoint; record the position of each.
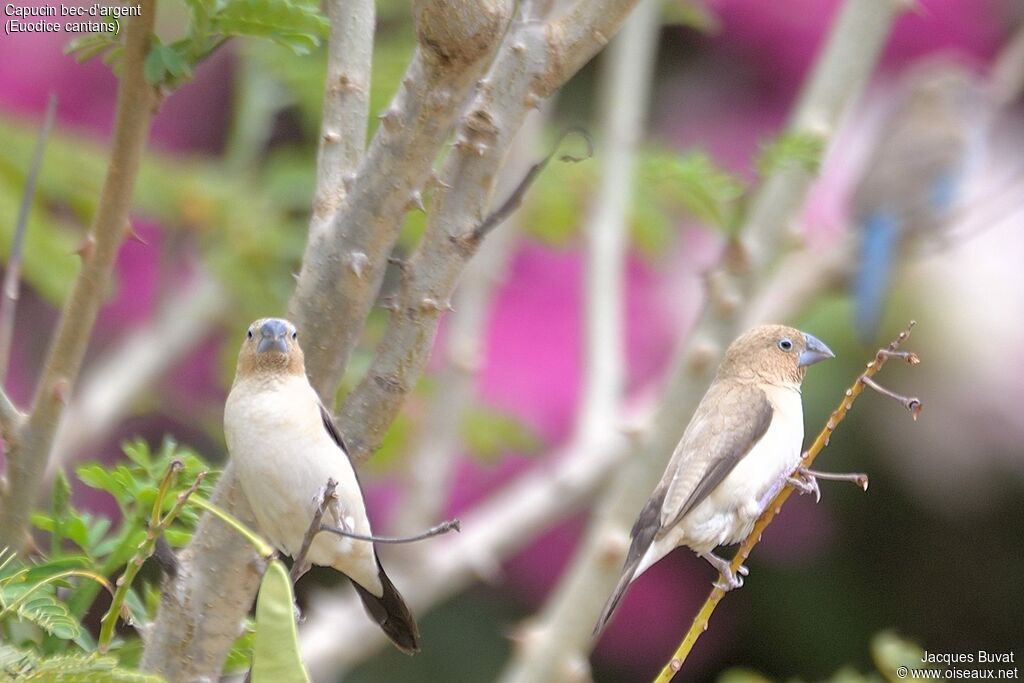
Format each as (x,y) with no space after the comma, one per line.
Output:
(284,456)
(728,513)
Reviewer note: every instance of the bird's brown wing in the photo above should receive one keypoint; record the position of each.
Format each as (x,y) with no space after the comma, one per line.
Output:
(730,419)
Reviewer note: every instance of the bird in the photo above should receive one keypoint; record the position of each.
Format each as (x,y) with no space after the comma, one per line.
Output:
(742,445)
(928,144)
(285,446)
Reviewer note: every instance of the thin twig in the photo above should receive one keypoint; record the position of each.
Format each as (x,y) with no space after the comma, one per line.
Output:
(157,526)
(12,277)
(911,403)
(515,199)
(444,527)
(299,564)
(700,622)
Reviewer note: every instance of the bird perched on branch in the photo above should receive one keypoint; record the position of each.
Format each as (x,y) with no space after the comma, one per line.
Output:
(741,447)
(285,447)
(914,179)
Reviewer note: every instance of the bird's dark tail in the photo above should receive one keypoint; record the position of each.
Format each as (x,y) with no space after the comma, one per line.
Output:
(391,612)
(644,530)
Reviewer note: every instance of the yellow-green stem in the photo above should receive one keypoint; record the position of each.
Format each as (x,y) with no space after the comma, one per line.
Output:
(124,583)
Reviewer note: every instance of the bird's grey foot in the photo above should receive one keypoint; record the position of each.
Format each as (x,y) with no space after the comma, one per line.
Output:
(805,475)
(804,481)
(730,579)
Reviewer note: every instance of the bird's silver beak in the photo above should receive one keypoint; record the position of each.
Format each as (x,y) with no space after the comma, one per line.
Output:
(273,337)
(816,351)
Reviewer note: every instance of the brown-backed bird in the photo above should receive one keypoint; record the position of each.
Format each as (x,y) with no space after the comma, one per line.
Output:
(740,448)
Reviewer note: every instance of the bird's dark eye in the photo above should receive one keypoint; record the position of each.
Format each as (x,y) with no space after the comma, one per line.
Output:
(785,344)
(249,334)
(295,335)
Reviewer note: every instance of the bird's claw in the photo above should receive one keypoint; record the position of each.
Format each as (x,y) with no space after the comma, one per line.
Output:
(805,482)
(730,579)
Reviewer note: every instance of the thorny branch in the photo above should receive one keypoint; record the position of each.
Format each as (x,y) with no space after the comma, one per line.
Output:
(31,447)
(700,622)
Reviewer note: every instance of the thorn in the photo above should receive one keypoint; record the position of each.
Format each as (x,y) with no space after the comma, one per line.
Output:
(428,304)
(397,262)
(480,148)
(388,303)
(130,233)
(84,249)
(518,47)
(331,137)
(416,201)
(357,262)
(390,119)
(533,100)
(435,179)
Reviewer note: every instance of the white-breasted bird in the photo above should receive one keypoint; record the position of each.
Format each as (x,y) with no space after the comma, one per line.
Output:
(285,447)
(740,448)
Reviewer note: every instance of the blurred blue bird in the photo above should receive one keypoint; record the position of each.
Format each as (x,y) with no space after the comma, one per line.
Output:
(914,179)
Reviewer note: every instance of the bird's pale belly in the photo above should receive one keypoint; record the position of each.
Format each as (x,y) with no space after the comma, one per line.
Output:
(282,479)
(728,514)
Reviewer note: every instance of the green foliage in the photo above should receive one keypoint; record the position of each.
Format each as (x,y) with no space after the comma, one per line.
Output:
(691,182)
(799,150)
(86,553)
(72,667)
(295,24)
(276,652)
(490,434)
(29,595)
(692,13)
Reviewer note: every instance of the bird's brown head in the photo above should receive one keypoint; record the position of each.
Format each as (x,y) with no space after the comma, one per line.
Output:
(775,354)
(271,346)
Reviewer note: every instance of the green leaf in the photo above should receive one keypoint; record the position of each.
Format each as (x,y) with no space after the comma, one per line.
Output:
(695,183)
(298,26)
(240,656)
(71,667)
(46,612)
(490,434)
(800,150)
(97,477)
(890,652)
(276,650)
(88,45)
(693,13)
(165,65)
